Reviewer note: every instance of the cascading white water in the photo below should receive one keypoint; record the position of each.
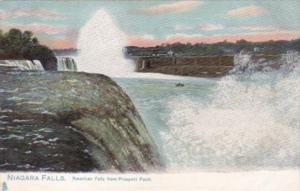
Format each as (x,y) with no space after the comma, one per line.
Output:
(247,122)
(101,46)
(66,64)
(34,65)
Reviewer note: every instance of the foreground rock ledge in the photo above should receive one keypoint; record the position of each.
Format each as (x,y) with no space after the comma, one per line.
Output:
(64,121)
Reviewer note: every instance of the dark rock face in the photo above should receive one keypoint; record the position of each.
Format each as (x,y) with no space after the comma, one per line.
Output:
(197,66)
(43,54)
(49,64)
(62,121)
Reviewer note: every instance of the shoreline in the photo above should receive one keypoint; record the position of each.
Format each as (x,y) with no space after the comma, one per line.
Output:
(196,66)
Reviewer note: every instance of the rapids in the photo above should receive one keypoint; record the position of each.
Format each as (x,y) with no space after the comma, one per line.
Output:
(235,122)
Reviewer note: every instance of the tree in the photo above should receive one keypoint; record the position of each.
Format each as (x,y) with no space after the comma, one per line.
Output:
(1,42)
(27,37)
(1,34)
(35,41)
(14,40)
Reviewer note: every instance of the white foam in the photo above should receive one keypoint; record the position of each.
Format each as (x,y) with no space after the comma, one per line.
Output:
(34,65)
(252,122)
(66,64)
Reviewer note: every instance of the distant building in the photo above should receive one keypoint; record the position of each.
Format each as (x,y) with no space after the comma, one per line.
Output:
(256,49)
(228,50)
(170,53)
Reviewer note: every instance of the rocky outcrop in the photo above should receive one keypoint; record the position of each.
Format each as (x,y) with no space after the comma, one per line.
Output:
(65,121)
(49,64)
(41,53)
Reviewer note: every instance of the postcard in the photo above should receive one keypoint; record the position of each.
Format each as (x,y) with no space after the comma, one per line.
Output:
(149,95)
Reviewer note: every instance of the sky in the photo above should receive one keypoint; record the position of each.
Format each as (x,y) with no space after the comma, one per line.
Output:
(149,23)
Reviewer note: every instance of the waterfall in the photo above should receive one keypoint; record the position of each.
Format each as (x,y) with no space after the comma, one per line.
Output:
(101,46)
(23,65)
(66,64)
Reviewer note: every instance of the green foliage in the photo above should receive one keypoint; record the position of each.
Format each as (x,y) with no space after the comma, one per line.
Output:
(16,44)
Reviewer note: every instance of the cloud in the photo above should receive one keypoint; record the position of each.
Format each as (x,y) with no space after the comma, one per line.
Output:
(29,12)
(135,40)
(59,43)
(148,36)
(40,28)
(246,11)
(202,27)
(52,36)
(183,35)
(176,7)
(181,27)
(211,27)
(257,27)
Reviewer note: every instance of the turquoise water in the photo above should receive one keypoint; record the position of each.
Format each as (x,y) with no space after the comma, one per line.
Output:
(230,122)
(152,96)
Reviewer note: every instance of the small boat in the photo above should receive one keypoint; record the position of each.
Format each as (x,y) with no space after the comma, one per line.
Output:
(179,85)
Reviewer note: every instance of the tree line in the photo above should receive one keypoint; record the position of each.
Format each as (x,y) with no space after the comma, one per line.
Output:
(15,44)
(217,49)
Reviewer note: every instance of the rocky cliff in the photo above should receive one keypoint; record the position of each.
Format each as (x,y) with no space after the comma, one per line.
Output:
(198,66)
(65,121)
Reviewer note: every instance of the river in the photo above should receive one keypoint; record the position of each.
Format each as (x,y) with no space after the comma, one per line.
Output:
(238,122)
